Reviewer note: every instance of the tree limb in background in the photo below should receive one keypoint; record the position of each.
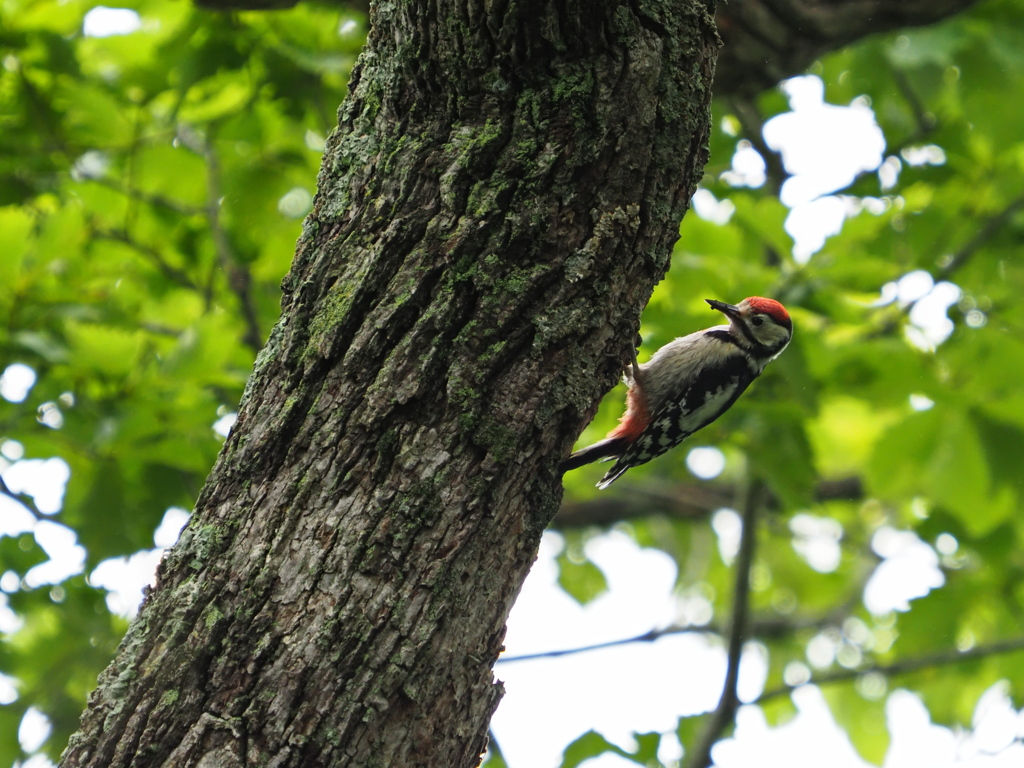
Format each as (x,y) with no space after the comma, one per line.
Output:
(925,120)
(766,628)
(151,253)
(22,498)
(150,198)
(747,112)
(699,756)
(235,271)
(991,227)
(689,501)
(904,666)
(765,41)
(892,317)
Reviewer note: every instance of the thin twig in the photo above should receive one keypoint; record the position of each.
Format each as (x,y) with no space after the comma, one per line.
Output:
(647,637)
(766,628)
(904,666)
(159,201)
(169,270)
(160,330)
(725,713)
(987,231)
(22,498)
(891,318)
(752,124)
(239,279)
(926,121)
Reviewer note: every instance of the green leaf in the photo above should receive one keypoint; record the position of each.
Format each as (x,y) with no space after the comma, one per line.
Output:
(1001,442)
(10,720)
(959,475)
(647,748)
(20,553)
(781,452)
(107,350)
(862,720)
(689,730)
(582,580)
(109,522)
(15,227)
(932,45)
(939,454)
(778,711)
(95,114)
(590,744)
(845,433)
(765,218)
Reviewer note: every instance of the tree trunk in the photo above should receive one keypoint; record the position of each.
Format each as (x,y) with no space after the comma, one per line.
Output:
(493,212)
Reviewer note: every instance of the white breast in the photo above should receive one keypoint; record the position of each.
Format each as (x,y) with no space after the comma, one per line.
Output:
(674,367)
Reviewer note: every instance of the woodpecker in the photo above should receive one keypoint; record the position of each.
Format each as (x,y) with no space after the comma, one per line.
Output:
(689,383)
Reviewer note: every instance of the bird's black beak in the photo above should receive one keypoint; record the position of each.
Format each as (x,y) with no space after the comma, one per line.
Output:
(729,310)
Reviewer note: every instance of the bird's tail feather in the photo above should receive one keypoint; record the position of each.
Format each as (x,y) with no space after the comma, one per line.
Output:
(609,448)
(613,474)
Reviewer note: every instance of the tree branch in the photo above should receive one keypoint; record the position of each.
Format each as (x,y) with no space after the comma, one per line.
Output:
(725,712)
(237,274)
(752,123)
(24,499)
(647,637)
(767,628)
(169,271)
(892,319)
(990,228)
(239,279)
(765,41)
(926,121)
(904,666)
(688,501)
(159,201)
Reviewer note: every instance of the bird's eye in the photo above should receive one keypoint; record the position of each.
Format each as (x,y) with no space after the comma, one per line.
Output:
(757,321)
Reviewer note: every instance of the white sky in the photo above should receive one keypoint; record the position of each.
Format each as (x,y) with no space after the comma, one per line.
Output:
(645,687)
(641,687)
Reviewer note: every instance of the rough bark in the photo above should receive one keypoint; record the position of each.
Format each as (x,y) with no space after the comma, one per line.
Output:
(501,196)
(765,41)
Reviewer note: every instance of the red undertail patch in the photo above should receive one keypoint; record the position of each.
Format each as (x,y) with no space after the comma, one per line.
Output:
(636,418)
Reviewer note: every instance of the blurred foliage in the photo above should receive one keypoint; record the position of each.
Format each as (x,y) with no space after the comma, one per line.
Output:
(152,185)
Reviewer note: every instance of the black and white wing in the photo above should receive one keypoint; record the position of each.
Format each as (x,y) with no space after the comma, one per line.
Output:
(712,393)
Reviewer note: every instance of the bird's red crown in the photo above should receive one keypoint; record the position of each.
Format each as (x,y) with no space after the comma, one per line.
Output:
(769,307)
